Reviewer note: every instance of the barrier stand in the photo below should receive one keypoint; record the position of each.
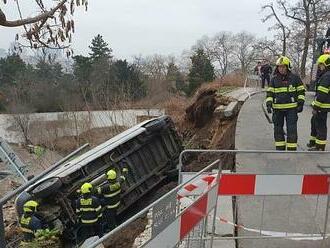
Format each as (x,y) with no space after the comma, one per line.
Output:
(174,231)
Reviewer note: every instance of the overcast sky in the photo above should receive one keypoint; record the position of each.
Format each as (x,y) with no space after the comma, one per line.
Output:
(146,27)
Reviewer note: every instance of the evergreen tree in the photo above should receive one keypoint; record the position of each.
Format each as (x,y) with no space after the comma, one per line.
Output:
(100,49)
(201,71)
(10,67)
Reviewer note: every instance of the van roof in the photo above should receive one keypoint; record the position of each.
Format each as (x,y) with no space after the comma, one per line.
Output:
(98,151)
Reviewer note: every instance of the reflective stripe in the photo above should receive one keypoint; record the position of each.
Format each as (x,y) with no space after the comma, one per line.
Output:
(270,89)
(281,90)
(113,206)
(323,89)
(300,87)
(269,99)
(285,105)
(113,194)
(23,229)
(291,145)
(301,97)
(89,221)
(320,142)
(280,143)
(320,105)
(312,138)
(82,209)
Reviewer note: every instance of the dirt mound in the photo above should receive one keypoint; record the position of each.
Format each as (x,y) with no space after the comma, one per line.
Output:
(202,109)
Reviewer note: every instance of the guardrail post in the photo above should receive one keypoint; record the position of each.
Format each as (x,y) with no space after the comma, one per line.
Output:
(2,228)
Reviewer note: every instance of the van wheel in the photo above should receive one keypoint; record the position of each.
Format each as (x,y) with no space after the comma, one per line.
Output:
(47,187)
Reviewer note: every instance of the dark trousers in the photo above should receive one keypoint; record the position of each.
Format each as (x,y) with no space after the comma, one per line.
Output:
(313,131)
(265,78)
(320,125)
(110,218)
(291,117)
(90,230)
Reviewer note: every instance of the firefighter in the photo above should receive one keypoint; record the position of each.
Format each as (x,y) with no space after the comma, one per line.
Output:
(89,211)
(29,222)
(111,197)
(285,98)
(321,105)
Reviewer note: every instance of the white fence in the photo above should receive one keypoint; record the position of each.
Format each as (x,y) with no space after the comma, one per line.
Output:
(72,123)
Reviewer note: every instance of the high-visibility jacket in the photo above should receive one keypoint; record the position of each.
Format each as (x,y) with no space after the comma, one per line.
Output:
(89,209)
(111,192)
(322,97)
(285,91)
(30,224)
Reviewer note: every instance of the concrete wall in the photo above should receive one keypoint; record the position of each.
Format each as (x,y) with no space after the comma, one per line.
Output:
(70,123)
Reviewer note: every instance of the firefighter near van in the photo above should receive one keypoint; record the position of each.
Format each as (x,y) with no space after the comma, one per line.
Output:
(110,193)
(89,211)
(321,106)
(285,99)
(29,222)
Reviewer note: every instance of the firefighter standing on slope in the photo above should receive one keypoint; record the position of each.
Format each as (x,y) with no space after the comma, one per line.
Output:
(111,196)
(29,222)
(285,98)
(321,106)
(89,210)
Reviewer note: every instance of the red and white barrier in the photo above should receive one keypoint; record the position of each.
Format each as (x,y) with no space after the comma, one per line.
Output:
(252,184)
(233,184)
(189,218)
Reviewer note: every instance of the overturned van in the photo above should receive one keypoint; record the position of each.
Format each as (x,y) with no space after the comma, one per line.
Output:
(150,151)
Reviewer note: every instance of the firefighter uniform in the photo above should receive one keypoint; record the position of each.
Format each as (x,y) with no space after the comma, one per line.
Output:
(321,104)
(285,98)
(111,197)
(89,211)
(29,222)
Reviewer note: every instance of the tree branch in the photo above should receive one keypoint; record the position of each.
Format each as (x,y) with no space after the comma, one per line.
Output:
(45,15)
(282,3)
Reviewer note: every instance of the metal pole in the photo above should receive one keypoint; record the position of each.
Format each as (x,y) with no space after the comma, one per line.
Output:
(247,152)
(2,229)
(216,204)
(326,214)
(26,185)
(35,179)
(13,164)
(143,211)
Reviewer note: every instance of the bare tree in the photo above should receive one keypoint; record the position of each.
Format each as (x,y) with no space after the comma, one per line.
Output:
(51,27)
(219,50)
(244,50)
(306,13)
(285,31)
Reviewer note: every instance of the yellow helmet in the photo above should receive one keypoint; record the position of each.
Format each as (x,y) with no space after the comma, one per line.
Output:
(30,206)
(111,174)
(284,61)
(86,188)
(324,59)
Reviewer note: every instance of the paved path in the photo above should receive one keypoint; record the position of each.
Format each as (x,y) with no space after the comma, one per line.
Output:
(277,213)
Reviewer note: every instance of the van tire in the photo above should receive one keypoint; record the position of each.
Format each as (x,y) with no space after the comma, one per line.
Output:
(47,188)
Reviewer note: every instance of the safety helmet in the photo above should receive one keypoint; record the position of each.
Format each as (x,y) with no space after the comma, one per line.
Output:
(284,61)
(324,60)
(111,174)
(86,188)
(30,206)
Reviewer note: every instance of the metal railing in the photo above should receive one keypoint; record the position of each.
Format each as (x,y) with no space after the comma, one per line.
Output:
(206,237)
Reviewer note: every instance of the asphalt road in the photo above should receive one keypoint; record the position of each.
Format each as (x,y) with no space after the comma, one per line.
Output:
(291,214)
